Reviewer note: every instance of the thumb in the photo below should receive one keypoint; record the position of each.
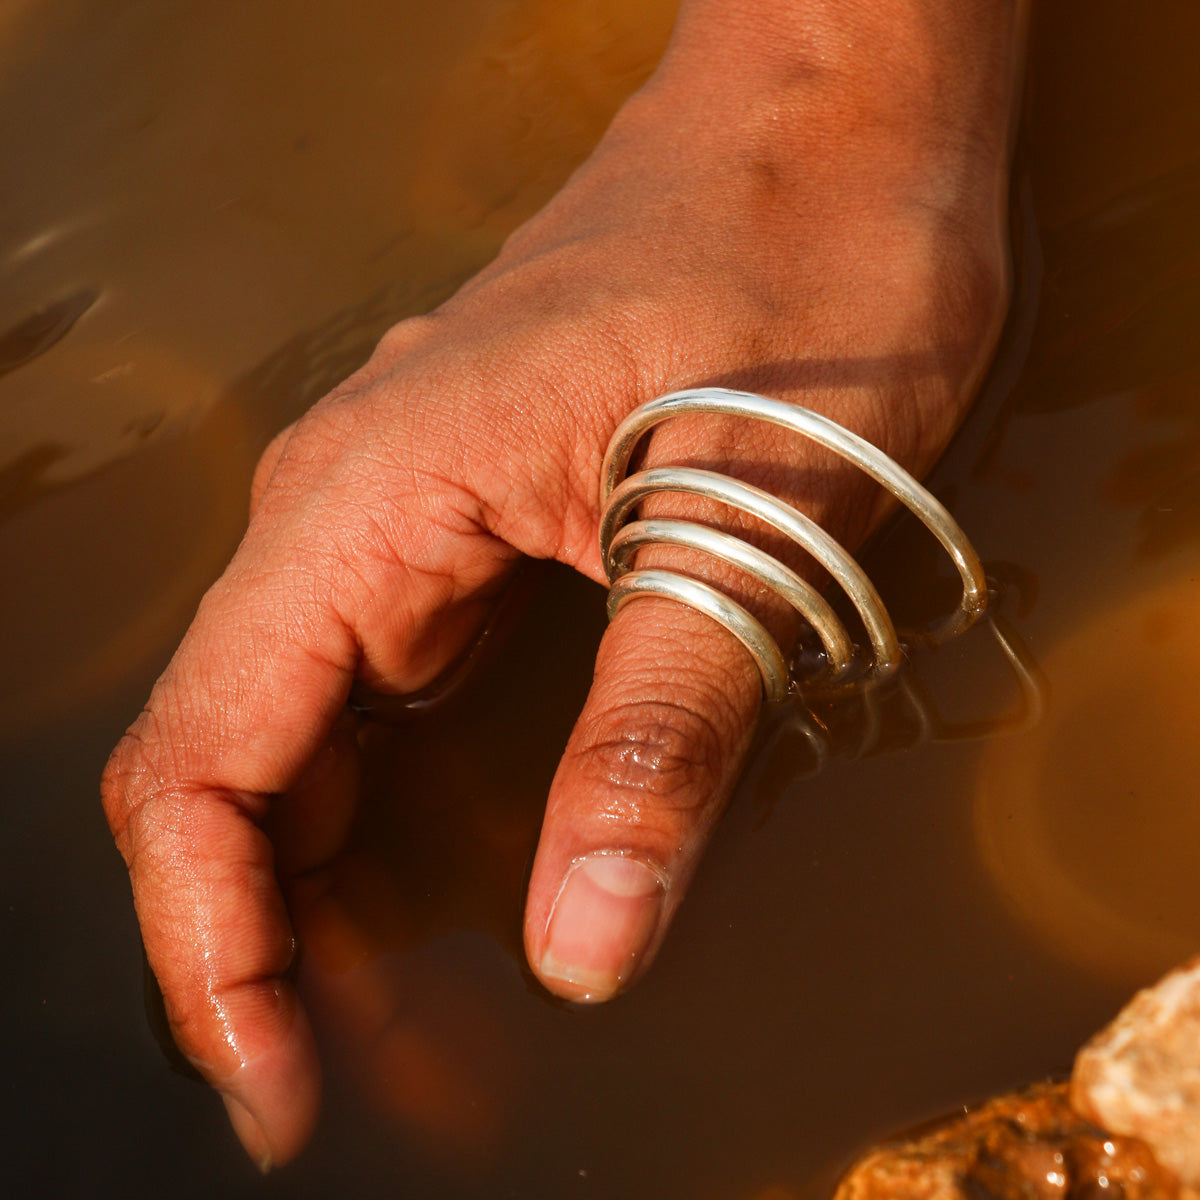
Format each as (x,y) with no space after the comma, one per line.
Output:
(645,775)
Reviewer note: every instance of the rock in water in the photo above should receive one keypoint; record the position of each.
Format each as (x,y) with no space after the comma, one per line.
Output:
(1141,1075)
(1029,1145)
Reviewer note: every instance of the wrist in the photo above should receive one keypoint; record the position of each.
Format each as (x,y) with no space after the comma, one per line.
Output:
(911,89)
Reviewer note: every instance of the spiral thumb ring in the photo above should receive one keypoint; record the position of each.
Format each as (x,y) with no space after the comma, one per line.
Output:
(621,538)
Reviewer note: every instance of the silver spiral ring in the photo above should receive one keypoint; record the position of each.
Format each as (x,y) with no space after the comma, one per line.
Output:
(619,541)
(803,530)
(799,593)
(763,648)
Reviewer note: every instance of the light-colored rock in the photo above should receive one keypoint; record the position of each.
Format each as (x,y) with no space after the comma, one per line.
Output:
(1141,1075)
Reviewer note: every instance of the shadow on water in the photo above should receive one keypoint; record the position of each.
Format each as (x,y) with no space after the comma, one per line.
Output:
(35,334)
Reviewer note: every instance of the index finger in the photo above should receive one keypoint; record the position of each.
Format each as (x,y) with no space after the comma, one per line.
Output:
(241,708)
(246,702)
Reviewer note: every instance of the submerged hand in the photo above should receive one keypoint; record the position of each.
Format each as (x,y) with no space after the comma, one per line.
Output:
(790,222)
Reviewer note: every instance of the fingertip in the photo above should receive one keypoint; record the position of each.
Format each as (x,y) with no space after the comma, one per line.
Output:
(604,920)
(250,1133)
(273,1100)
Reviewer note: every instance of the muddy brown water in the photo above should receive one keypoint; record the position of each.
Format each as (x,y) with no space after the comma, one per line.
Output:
(208,214)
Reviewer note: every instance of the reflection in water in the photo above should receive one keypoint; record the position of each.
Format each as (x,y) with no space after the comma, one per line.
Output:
(1093,830)
(902,713)
(439,847)
(221,207)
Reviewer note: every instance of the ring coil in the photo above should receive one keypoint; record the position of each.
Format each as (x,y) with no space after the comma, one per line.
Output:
(621,538)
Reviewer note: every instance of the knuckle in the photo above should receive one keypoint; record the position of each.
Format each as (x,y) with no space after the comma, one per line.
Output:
(187,1000)
(358,447)
(658,750)
(185,1014)
(318,442)
(404,338)
(134,788)
(125,776)
(267,462)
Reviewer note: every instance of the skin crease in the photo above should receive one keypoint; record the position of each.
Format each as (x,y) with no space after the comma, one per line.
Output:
(808,200)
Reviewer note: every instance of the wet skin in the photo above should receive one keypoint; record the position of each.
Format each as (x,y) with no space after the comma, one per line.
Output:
(807,200)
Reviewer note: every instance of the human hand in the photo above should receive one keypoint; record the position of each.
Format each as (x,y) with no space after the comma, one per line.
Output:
(820,218)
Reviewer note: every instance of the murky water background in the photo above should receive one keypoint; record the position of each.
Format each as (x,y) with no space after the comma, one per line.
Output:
(208,214)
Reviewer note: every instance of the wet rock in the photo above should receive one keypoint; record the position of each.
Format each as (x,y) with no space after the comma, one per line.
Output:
(1029,1145)
(1141,1075)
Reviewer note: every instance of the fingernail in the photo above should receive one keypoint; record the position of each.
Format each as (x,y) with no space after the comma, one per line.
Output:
(250,1133)
(601,924)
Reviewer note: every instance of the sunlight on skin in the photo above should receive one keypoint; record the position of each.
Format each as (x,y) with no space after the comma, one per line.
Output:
(809,200)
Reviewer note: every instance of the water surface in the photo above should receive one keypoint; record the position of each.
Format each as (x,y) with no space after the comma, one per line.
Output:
(212,212)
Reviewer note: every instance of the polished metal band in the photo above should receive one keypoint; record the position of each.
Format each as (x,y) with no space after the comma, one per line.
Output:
(706,599)
(799,593)
(620,538)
